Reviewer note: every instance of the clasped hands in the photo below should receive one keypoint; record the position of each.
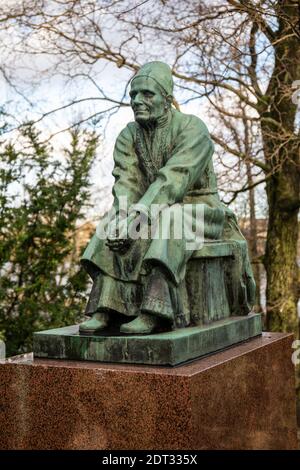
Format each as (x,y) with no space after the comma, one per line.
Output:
(118,238)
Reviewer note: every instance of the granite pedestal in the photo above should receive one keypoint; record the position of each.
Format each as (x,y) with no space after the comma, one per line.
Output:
(240,398)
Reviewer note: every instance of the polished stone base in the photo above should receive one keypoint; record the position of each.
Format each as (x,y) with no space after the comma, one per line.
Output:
(241,398)
(170,348)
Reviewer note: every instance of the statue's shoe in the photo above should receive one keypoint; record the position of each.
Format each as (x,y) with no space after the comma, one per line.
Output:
(96,323)
(142,325)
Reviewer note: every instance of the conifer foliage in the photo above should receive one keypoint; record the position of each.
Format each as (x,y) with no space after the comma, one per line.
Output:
(43,196)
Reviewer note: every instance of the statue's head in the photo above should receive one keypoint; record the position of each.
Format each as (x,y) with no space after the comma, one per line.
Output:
(151,92)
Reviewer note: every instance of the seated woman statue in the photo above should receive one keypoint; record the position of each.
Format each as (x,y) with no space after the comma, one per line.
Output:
(162,158)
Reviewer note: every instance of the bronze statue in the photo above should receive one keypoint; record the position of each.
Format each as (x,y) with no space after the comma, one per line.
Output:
(162,158)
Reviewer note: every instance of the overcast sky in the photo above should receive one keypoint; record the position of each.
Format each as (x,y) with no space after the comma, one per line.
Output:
(52,94)
(45,95)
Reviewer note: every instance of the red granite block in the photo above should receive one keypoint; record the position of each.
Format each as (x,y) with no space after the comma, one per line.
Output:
(241,398)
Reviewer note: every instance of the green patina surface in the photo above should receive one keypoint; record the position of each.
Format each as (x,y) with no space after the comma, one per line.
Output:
(165,157)
(170,348)
(148,284)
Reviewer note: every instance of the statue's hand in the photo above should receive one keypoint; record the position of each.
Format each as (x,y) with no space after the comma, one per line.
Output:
(120,246)
(119,240)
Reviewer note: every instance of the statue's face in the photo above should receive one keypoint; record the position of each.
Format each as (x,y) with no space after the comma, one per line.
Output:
(147,101)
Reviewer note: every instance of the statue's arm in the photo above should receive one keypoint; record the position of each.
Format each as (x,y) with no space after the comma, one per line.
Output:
(125,186)
(190,156)
(125,169)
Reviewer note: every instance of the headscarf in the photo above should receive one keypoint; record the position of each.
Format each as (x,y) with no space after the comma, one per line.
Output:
(161,73)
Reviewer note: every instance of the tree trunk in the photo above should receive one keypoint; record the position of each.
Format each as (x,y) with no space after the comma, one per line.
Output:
(280,259)
(282,150)
(253,239)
